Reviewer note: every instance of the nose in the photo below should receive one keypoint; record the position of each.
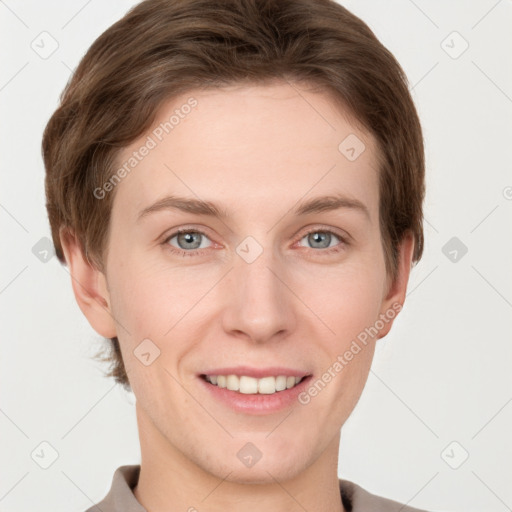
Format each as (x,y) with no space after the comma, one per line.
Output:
(261,304)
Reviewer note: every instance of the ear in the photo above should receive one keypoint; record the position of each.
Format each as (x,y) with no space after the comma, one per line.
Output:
(89,286)
(395,292)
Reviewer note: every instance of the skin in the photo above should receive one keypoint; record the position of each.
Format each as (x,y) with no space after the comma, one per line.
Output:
(256,151)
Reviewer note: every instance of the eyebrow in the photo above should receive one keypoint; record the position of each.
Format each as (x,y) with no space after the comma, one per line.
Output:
(200,207)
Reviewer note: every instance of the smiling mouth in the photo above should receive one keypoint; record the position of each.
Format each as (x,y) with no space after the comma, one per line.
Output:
(252,386)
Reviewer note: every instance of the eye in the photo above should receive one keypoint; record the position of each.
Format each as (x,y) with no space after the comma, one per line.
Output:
(322,238)
(189,242)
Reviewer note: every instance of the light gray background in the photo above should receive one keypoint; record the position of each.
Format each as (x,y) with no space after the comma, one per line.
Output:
(441,375)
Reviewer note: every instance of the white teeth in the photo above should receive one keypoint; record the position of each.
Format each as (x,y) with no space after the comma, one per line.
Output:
(267,385)
(232,383)
(250,385)
(280,383)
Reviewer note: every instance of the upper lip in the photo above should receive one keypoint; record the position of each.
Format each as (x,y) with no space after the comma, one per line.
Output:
(257,373)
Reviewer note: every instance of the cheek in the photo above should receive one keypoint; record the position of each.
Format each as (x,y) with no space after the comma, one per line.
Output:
(148,299)
(350,308)
(157,303)
(350,312)
(347,300)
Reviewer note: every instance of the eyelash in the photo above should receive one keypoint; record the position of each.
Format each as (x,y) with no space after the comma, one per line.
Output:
(199,252)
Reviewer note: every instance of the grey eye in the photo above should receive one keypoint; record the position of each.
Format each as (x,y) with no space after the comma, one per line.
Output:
(320,239)
(189,240)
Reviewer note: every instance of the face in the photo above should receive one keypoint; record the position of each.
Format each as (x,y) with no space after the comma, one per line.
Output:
(266,287)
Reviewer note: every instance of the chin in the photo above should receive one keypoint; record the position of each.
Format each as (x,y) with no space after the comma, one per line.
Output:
(266,470)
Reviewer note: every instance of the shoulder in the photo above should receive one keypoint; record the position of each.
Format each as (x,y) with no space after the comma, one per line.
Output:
(357,499)
(120,497)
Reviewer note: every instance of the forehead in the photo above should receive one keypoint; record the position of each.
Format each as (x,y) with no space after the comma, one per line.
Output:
(250,146)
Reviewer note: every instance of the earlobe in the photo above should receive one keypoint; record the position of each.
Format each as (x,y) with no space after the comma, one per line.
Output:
(396,291)
(89,286)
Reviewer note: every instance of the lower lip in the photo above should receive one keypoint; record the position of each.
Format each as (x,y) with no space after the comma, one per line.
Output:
(257,404)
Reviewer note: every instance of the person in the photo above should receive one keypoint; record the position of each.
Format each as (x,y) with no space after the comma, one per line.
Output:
(237,189)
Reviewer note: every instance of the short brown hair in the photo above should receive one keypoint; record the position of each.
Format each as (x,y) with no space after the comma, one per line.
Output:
(163,48)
